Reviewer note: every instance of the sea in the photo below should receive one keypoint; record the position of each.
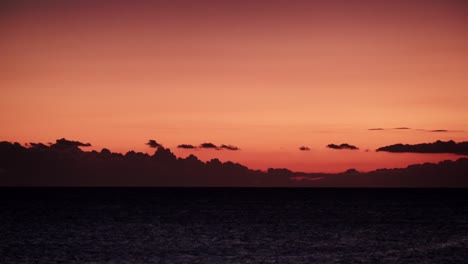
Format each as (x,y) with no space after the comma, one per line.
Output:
(233,225)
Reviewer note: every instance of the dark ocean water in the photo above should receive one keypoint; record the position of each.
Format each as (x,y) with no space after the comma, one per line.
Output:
(237,225)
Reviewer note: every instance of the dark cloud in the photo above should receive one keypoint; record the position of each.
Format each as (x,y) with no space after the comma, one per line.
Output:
(64,143)
(229,147)
(208,146)
(436,147)
(38,145)
(304,148)
(380,129)
(153,144)
(438,130)
(186,146)
(342,146)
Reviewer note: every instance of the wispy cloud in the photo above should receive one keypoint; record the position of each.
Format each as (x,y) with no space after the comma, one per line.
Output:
(381,128)
(229,147)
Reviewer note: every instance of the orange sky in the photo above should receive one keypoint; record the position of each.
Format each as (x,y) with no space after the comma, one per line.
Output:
(267,78)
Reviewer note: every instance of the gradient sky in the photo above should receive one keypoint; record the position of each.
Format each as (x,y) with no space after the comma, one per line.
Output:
(266,76)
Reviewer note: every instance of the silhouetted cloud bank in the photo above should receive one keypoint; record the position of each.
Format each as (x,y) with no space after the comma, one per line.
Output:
(436,147)
(65,164)
(41,165)
(342,146)
(428,175)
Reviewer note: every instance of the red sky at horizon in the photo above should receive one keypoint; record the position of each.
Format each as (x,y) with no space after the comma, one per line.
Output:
(267,77)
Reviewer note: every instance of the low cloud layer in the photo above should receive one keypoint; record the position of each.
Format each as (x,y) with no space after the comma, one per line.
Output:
(56,165)
(451,146)
(342,146)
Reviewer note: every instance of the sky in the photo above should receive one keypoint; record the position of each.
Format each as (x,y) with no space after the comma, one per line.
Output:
(265,76)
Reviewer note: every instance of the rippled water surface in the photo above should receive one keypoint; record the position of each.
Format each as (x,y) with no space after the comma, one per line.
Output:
(237,225)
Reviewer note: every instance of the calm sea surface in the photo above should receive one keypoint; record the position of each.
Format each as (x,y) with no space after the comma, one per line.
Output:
(233,225)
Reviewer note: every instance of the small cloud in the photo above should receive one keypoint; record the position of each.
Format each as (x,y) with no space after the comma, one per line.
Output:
(342,146)
(70,143)
(229,147)
(153,144)
(375,129)
(186,146)
(37,145)
(402,128)
(304,148)
(208,146)
(438,130)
